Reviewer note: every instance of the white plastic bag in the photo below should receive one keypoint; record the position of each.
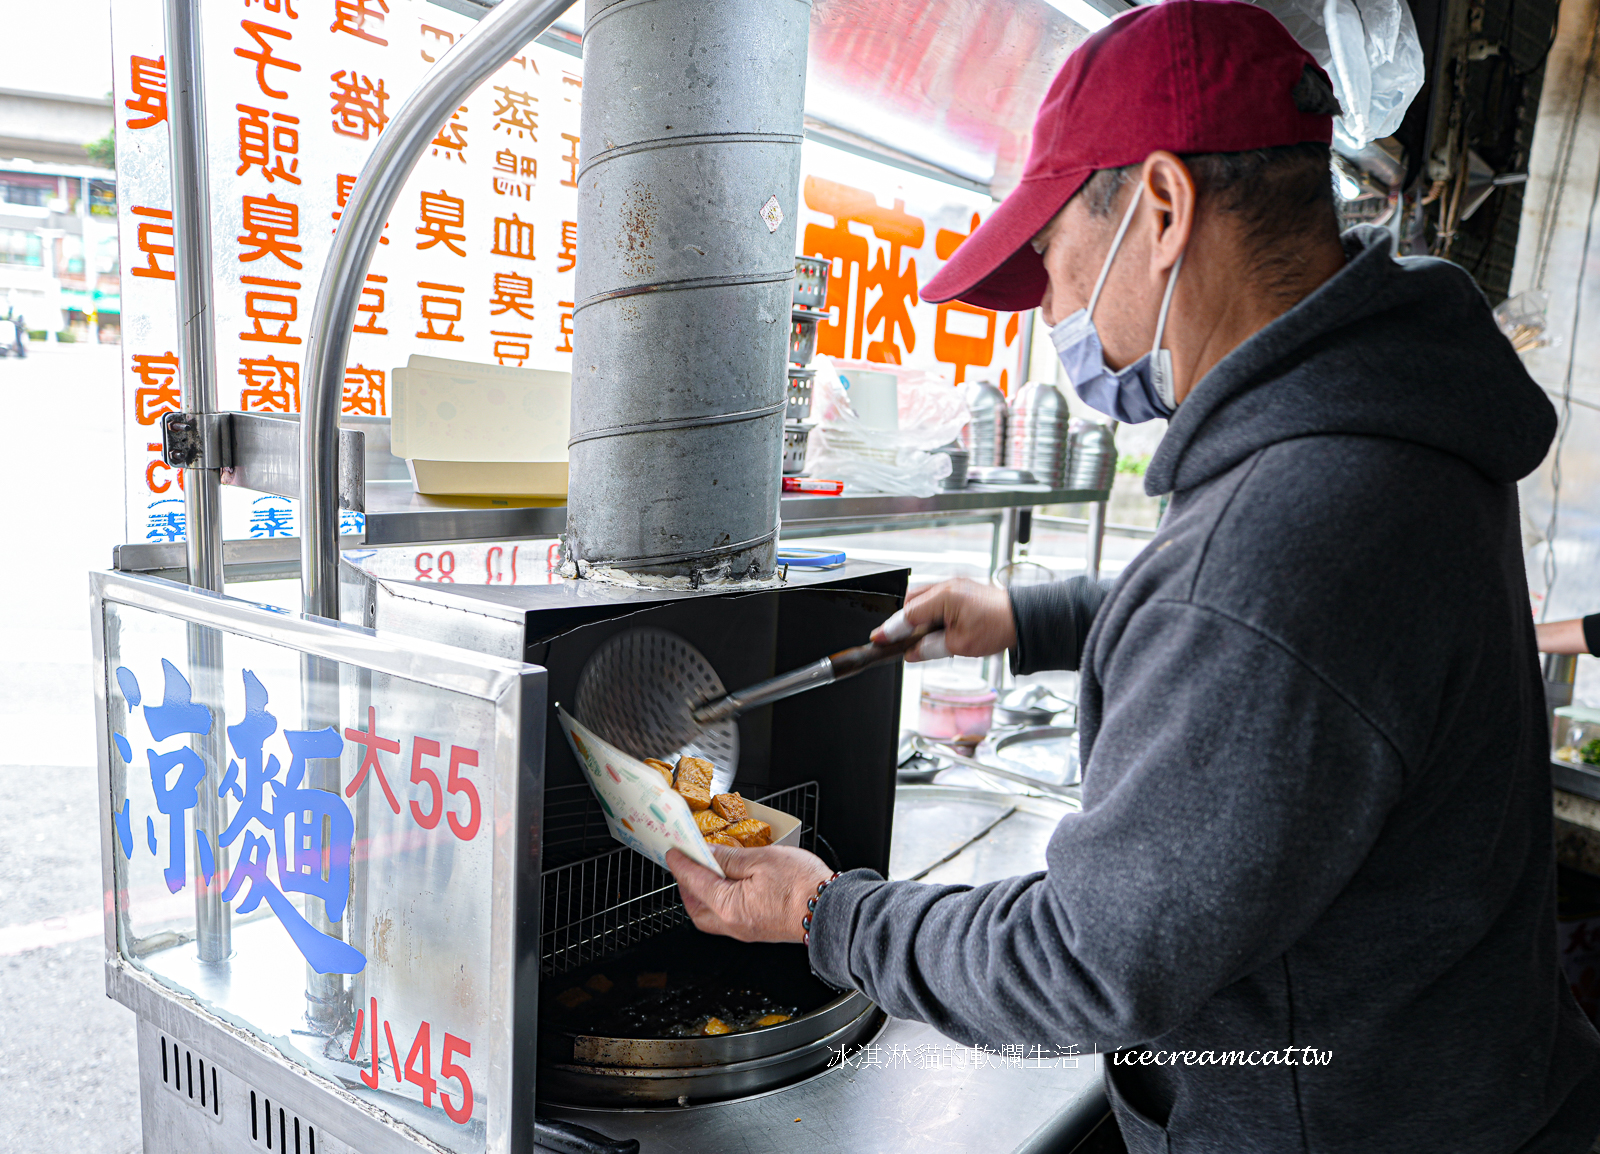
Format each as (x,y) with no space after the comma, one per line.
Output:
(1369,48)
(894,461)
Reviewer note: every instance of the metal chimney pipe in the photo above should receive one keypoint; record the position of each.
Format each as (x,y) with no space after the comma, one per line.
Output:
(693,117)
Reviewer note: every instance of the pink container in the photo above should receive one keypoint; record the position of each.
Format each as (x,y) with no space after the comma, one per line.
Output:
(956,709)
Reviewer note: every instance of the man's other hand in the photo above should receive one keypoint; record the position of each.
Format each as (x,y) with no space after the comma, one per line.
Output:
(975,618)
(763,898)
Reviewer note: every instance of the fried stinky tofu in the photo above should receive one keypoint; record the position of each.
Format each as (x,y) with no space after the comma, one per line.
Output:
(750,832)
(709,822)
(715,1026)
(660,767)
(771,1019)
(573,998)
(721,839)
(647,980)
(730,806)
(600,984)
(693,782)
(697,768)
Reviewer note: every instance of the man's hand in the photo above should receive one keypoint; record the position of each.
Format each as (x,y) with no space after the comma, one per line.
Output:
(763,897)
(976,621)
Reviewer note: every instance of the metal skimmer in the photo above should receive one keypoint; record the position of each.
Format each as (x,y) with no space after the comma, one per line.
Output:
(648,690)
(638,692)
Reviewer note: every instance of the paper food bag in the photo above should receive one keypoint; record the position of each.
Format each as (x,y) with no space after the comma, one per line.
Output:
(643,812)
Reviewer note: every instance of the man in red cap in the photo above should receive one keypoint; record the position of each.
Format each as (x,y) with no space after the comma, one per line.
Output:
(1309,903)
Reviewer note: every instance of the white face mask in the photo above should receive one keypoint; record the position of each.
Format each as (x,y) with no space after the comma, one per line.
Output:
(1138,393)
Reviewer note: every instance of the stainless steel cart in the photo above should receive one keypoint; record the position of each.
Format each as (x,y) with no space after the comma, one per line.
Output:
(340,847)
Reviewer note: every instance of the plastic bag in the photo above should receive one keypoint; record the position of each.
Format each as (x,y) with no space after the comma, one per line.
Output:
(1370,50)
(1524,320)
(894,461)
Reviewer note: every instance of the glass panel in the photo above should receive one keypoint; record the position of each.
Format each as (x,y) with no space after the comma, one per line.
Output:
(324,832)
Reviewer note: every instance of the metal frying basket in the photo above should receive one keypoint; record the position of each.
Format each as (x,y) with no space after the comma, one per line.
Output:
(616,898)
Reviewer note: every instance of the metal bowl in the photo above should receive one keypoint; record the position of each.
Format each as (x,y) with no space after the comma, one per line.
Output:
(583,1066)
(1000,475)
(639,1073)
(1026,749)
(1030,704)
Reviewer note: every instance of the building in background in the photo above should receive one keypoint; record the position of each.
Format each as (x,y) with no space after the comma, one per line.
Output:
(59,266)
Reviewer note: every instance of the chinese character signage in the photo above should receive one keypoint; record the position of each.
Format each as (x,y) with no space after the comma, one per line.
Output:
(475,262)
(351,855)
(886,233)
(477,259)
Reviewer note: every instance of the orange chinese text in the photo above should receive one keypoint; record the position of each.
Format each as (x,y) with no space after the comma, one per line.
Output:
(441,215)
(263,57)
(890,315)
(270,228)
(452,138)
(353,16)
(429,30)
(263,305)
(513,236)
(343,185)
(270,385)
(565,332)
(358,104)
(515,114)
(370,306)
(513,292)
(157,223)
(148,84)
(512,348)
(267,146)
(438,308)
(158,386)
(568,256)
(571,158)
(364,392)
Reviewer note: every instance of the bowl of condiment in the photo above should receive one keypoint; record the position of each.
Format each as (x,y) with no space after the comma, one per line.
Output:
(955,708)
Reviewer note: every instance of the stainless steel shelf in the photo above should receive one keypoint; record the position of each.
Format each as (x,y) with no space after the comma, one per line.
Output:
(803,512)
(396,516)
(1583,780)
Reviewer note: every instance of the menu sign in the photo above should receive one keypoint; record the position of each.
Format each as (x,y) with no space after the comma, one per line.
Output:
(476,261)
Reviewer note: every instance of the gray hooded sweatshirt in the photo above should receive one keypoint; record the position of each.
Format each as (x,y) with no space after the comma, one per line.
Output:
(1316,807)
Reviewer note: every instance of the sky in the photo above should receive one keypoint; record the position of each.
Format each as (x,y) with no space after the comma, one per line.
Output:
(60,47)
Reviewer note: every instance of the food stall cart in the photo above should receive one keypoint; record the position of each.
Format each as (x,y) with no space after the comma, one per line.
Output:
(358,892)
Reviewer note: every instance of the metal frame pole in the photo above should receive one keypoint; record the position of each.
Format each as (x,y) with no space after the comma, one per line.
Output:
(1004,553)
(498,37)
(1095,540)
(191,227)
(202,498)
(1025,353)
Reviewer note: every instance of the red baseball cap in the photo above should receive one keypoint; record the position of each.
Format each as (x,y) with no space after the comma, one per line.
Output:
(1188,76)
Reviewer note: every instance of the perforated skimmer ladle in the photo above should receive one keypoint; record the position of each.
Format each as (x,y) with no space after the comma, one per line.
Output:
(652,694)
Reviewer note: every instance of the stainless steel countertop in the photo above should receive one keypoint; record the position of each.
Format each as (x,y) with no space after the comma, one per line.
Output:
(896,1108)
(921,1091)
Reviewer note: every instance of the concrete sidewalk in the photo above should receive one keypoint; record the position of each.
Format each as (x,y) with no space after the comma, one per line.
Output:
(68,1078)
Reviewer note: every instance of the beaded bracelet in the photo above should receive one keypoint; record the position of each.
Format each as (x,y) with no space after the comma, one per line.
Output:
(811,908)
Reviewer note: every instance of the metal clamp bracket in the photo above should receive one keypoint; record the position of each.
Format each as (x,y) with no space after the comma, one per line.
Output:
(196,440)
(259,451)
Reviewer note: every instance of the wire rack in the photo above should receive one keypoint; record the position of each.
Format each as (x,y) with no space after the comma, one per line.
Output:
(603,903)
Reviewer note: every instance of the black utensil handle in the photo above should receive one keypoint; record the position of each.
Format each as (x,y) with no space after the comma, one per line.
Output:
(848,662)
(570,1138)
